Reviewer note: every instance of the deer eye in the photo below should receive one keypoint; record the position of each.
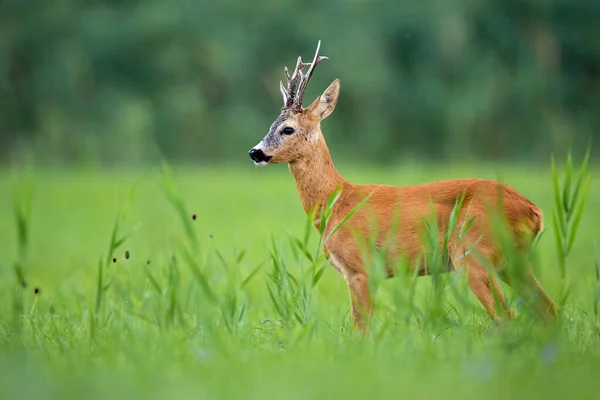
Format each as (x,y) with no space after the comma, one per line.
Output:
(287,131)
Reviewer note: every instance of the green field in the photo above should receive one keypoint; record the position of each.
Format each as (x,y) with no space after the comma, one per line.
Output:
(197,328)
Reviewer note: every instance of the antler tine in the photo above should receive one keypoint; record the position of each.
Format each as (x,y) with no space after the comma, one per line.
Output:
(305,78)
(284,92)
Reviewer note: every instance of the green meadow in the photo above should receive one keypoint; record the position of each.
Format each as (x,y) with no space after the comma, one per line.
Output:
(238,302)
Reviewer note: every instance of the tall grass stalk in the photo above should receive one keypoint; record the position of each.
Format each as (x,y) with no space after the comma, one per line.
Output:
(117,239)
(569,201)
(229,298)
(22,200)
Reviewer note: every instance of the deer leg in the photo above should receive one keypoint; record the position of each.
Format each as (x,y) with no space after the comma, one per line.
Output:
(484,286)
(549,307)
(358,284)
(532,292)
(360,299)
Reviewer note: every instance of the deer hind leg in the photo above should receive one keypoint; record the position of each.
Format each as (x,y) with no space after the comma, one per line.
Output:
(484,286)
(532,292)
(549,307)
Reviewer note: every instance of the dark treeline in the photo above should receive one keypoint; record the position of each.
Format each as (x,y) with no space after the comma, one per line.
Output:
(121,81)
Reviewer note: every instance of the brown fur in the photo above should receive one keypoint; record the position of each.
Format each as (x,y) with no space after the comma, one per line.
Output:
(316,178)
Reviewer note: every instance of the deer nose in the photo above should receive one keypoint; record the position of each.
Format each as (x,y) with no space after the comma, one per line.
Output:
(257,155)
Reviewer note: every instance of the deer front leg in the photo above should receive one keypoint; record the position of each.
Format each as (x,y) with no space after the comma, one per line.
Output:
(358,284)
(360,298)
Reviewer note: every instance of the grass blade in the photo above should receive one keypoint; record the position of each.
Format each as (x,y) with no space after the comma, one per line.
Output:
(578,215)
(347,217)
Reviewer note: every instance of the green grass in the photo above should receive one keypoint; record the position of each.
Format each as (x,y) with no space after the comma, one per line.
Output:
(217,313)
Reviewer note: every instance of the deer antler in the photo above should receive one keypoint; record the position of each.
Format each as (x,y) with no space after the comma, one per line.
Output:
(290,93)
(291,98)
(305,78)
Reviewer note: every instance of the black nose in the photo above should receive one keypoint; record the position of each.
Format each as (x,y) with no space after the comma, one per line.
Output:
(257,155)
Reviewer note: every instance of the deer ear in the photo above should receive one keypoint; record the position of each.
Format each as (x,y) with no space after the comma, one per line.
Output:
(324,104)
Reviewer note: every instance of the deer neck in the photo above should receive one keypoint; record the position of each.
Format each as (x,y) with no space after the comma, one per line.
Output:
(316,177)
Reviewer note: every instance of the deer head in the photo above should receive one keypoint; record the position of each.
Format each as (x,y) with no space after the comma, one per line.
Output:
(295,133)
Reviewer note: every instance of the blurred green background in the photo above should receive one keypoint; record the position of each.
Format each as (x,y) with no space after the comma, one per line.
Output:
(126,82)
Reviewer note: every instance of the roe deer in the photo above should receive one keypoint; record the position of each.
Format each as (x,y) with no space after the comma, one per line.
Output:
(295,138)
